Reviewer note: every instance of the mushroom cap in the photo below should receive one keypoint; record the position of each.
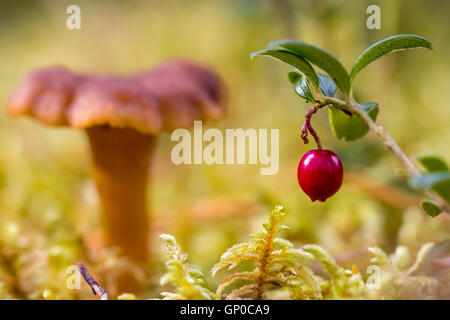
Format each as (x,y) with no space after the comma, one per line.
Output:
(116,102)
(170,96)
(45,94)
(186,92)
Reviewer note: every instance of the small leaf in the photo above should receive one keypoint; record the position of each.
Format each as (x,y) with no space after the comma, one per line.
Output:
(402,172)
(320,58)
(327,85)
(283,243)
(429,180)
(302,89)
(438,181)
(385,46)
(432,163)
(348,128)
(293,76)
(430,207)
(292,59)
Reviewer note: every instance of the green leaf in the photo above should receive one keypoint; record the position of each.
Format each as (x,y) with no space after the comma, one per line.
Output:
(431,179)
(302,89)
(438,178)
(430,207)
(438,181)
(432,163)
(293,76)
(327,85)
(291,59)
(320,58)
(348,128)
(385,46)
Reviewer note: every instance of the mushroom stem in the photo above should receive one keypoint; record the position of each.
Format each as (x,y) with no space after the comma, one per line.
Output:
(121,163)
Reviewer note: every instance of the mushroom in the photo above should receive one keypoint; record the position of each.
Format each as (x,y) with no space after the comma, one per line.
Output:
(186,92)
(122,117)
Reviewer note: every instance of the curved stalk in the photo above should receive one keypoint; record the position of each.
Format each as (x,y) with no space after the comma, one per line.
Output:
(308,127)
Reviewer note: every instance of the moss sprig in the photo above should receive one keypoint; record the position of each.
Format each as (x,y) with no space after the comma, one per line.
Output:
(277,264)
(188,279)
(341,283)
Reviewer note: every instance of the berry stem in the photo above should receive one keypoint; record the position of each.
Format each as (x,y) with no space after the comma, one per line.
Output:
(308,127)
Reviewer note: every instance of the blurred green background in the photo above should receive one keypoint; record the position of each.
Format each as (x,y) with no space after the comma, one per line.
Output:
(49,211)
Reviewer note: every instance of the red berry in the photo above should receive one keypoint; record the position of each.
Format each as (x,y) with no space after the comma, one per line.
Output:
(320,174)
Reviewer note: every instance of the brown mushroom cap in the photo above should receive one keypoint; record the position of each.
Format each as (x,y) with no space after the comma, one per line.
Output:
(116,102)
(171,96)
(45,94)
(186,92)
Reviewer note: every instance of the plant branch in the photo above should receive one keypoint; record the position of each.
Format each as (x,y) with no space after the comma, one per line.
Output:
(96,289)
(352,107)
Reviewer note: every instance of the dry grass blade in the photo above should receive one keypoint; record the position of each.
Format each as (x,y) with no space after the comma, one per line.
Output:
(96,289)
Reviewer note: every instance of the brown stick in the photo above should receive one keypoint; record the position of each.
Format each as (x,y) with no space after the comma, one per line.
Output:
(96,289)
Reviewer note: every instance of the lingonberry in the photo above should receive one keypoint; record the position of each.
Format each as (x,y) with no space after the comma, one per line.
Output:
(320,174)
